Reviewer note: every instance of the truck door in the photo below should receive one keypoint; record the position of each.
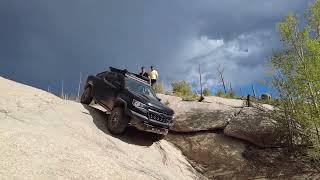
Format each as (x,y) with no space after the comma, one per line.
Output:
(107,88)
(98,86)
(112,86)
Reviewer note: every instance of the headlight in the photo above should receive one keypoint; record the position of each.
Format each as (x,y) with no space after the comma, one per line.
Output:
(139,104)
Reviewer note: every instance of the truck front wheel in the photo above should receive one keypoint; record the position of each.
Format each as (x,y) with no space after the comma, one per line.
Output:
(118,121)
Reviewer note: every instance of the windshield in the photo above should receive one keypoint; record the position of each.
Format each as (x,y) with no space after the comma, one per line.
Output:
(139,87)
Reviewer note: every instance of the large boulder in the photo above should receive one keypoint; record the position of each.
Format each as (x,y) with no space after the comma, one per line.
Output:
(232,154)
(266,96)
(217,156)
(212,114)
(254,125)
(195,120)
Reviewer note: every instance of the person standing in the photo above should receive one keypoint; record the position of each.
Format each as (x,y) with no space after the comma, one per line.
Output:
(153,76)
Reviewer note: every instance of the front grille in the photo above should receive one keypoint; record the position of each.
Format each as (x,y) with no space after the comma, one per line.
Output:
(156,110)
(160,117)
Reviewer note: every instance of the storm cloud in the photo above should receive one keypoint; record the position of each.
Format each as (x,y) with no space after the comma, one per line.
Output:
(44,42)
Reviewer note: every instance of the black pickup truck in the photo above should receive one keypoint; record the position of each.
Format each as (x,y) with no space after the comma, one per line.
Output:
(130,100)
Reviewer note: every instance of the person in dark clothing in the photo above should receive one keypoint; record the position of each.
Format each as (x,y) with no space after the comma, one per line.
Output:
(143,73)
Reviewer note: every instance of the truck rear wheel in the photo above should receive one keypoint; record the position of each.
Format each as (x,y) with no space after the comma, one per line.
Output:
(86,97)
(118,121)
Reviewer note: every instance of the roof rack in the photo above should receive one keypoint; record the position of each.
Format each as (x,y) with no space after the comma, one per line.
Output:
(126,72)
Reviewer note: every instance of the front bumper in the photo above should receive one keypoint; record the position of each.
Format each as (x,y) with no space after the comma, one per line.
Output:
(145,123)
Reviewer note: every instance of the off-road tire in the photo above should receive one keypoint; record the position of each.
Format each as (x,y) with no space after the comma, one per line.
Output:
(86,96)
(118,121)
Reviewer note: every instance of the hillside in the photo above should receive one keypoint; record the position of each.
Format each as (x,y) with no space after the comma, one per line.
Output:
(42,136)
(45,137)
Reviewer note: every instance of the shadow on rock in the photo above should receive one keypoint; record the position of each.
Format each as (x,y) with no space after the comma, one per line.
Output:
(213,155)
(131,136)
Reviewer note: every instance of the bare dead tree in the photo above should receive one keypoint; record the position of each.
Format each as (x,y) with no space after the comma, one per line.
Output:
(241,92)
(201,92)
(79,86)
(254,91)
(248,101)
(220,71)
(230,86)
(62,92)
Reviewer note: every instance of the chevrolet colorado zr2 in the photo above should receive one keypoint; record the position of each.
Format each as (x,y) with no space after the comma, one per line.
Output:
(130,100)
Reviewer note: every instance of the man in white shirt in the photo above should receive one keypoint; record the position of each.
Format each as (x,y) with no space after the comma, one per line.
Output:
(153,76)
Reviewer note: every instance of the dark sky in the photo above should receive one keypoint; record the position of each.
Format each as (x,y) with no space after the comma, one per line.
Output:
(45,41)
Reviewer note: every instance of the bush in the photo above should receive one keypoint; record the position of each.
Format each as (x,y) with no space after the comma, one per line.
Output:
(206,92)
(230,95)
(193,97)
(181,88)
(219,93)
(296,72)
(265,96)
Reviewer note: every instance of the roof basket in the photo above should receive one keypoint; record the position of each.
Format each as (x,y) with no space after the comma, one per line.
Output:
(126,72)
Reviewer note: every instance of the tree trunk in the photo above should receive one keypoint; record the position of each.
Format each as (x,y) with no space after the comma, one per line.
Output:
(201,92)
(224,86)
(254,91)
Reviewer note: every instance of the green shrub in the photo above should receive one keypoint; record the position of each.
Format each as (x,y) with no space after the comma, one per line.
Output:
(206,92)
(181,88)
(193,97)
(296,70)
(219,93)
(230,95)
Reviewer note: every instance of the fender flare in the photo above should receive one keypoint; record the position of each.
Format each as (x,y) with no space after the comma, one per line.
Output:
(119,102)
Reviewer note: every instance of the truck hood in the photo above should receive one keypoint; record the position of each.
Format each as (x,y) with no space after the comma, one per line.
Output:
(153,103)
